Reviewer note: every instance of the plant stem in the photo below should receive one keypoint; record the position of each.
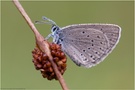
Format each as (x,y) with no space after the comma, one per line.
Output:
(42,43)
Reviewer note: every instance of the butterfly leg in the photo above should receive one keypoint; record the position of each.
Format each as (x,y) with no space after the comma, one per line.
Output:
(50,35)
(56,39)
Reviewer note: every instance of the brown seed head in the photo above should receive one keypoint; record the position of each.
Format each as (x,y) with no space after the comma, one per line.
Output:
(42,63)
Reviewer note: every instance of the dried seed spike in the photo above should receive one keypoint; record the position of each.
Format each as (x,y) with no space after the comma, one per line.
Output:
(59,63)
(48,64)
(50,69)
(53,46)
(64,60)
(45,66)
(53,52)
(42,70)
(39,66)
(63,65)
(58,54)
(58,47)
(56,59)
(62,55)
(44,75)
(42,63)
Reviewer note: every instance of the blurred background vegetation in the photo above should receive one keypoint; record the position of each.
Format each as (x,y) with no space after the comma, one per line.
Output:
(17,70)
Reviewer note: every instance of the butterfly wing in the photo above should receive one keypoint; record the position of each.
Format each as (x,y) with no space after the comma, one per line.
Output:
(88,44)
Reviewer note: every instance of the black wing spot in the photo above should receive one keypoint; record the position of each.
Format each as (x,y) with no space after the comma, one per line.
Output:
(89,48)
(112,34)
(81,54)
(84,50)
(101,42)
(92,44)
(92,40)
(88,36)
(98,36)
(91,56)
(83,32)
(85,59)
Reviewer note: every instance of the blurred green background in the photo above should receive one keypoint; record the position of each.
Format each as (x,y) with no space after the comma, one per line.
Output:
(115,72)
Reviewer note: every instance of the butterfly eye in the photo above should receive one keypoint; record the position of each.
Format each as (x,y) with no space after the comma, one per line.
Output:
(54,28)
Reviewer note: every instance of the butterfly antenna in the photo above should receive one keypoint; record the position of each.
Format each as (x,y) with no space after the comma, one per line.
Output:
(49,20)
(46,21)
